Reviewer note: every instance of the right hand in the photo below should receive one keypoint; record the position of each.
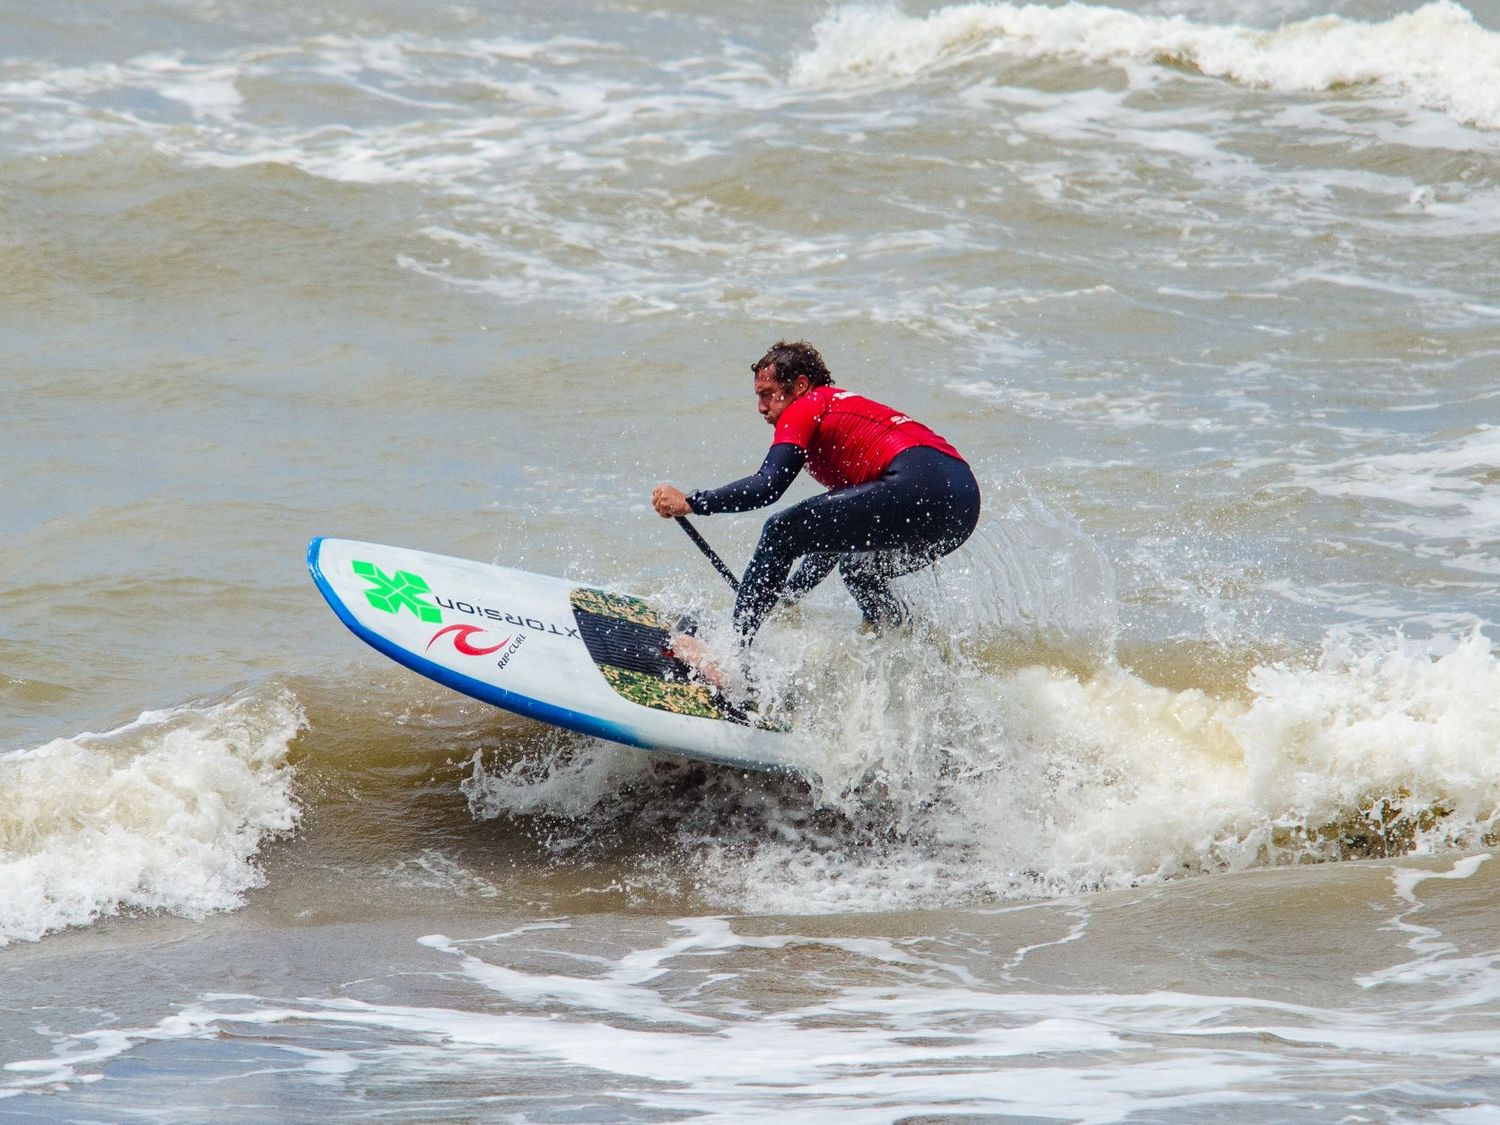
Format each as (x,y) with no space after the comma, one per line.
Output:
(670,501)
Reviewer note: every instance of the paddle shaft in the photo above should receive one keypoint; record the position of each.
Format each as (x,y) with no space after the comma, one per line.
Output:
(702,544)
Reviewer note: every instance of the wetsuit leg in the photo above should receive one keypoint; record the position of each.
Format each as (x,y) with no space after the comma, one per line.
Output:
(924,505)
(810,571)
(867,580)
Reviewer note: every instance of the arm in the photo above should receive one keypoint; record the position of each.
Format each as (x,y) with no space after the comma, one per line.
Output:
(782,464)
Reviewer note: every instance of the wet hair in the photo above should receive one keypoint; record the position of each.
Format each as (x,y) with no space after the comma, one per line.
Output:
(791,360)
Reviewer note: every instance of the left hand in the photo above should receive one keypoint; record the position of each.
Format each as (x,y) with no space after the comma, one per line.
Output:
(670,501)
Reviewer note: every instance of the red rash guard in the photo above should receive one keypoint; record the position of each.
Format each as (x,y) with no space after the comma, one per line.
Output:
(850,439)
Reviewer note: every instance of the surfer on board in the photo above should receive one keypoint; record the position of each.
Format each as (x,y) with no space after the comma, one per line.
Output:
(899,496)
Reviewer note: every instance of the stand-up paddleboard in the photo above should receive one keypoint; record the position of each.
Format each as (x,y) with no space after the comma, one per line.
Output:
(574,656)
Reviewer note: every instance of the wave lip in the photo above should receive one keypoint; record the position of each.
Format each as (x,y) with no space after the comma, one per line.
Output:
(1438,55)
(166,813)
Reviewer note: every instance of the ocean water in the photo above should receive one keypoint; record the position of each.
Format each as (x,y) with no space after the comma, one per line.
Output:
(1177,804)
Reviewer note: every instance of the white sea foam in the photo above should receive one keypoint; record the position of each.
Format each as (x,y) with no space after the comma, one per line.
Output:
(432,870)
(1114,407)
(561,780)
(539,147)
(1438,55)
(166,813)
(690,1017)
(1441,493)
(963,774)
(961,783)
(208,92)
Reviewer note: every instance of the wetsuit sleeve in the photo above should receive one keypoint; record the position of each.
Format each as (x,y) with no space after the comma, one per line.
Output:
(782,464)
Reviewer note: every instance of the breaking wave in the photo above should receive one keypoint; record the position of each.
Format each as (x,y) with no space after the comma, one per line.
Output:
(954,770)
(1438,55)
(166,813)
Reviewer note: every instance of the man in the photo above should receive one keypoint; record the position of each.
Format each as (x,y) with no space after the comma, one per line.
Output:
(899,496)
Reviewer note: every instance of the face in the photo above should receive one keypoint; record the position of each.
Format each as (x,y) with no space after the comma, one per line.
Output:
(771,398)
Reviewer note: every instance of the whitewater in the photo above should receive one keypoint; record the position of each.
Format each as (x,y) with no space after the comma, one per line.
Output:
(1178,800)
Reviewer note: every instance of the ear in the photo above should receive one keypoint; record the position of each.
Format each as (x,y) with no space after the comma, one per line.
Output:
(801,386)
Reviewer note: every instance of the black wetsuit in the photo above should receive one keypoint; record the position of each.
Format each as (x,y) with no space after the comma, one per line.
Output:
(923,505)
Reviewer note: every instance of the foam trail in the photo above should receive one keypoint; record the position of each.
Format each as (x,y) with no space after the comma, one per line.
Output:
(1439,492)
(955,782)
(683,1028)
(166,813)
(1438,55)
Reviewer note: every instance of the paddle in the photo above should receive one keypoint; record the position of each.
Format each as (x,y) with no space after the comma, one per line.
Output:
(719,564)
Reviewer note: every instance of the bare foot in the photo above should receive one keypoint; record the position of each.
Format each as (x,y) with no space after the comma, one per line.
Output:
(695,654)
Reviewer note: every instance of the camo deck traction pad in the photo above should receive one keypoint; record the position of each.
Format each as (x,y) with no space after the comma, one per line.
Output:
(664,695)
(627,639)
(621,606)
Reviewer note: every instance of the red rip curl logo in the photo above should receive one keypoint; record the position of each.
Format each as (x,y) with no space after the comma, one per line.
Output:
(461,635)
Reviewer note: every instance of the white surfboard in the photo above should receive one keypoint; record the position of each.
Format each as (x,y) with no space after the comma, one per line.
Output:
(574,656)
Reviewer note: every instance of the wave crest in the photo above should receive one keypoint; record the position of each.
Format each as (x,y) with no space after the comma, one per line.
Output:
(165,813)
(1438,55)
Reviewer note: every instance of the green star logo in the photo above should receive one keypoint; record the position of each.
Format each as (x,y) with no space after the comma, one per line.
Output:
(390,592)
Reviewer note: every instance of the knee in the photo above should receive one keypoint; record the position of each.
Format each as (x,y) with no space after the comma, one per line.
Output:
(782,533)
(776,526)
(788,521)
